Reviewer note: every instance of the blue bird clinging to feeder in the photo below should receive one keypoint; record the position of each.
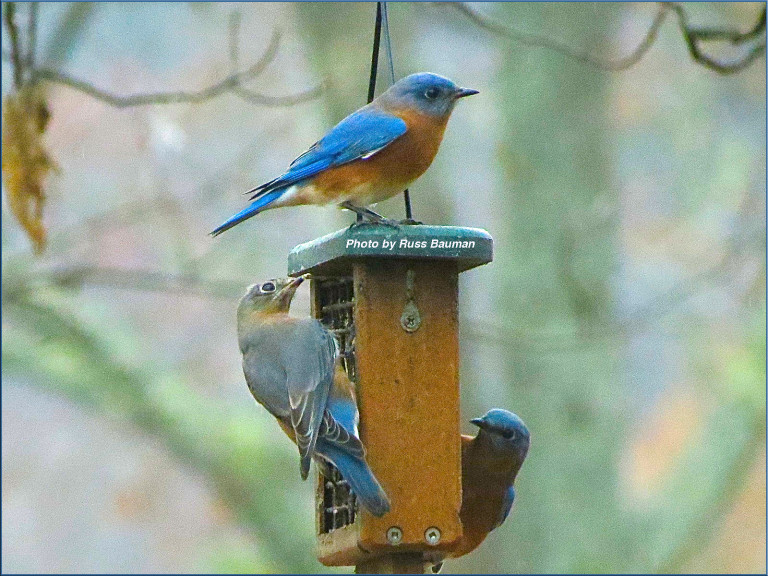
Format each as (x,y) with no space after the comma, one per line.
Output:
(489,465)
(369,156)
(290,365)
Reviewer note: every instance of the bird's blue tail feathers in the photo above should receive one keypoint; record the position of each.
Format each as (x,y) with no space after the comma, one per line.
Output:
(357,473)
(258,205)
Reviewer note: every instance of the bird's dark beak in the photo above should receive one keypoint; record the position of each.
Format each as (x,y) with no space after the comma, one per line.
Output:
(479,422)
(462,92)
(286,294)
(296,282)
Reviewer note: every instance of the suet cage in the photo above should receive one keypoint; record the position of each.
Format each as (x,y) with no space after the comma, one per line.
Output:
(390,295)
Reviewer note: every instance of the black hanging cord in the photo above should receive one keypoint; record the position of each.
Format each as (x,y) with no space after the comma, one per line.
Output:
(387,42)
(375,55)
(374,65)
(381,16)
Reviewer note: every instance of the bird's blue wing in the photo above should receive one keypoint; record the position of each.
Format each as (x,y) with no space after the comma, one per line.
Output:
(344,411)
(359,135)
(506,508)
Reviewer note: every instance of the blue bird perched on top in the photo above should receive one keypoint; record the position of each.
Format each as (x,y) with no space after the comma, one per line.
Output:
(369,156)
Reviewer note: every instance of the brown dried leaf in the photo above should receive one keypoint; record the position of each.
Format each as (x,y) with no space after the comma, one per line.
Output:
(25,160)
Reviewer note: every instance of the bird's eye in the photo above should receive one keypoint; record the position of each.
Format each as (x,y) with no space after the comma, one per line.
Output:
(508,434)
(268,287)
(431,93)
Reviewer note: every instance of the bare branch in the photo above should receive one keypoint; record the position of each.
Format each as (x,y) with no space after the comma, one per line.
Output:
(733,36)
(249,95)
(178,97)
(233,83)
(276,101)
(692,37)
(144,281)
(536,40)
(234,38)
(32,35)
(13,34)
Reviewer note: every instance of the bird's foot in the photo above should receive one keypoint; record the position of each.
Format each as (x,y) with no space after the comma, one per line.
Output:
(376,222)
(367,217)
(411,222)
(387,222)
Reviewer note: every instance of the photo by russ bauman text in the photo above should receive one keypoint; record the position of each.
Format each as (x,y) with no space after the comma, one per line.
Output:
(405,243)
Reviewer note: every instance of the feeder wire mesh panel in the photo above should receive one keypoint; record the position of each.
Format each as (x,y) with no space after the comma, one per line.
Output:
(334,303)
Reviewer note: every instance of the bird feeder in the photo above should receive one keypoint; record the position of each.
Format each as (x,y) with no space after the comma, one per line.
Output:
(390,295)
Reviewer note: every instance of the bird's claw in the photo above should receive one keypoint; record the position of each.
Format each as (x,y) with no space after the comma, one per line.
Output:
(376,222)
(389,223)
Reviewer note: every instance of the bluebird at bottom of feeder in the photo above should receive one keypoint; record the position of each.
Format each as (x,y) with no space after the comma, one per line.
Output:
(489,465)
(290,365)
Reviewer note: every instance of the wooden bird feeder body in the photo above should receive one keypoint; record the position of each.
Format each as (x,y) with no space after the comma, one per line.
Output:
(394,309)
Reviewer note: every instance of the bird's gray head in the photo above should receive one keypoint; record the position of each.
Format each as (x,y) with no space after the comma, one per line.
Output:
(270,297)
(506,430)
(426,92)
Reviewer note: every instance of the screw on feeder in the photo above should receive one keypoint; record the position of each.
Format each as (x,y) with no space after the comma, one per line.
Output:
(394,535)
(432,536)
(410,319)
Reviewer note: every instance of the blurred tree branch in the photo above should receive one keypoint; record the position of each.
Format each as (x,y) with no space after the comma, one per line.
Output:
(32,34)
(693,38)
(539,41)
(145,281)
(24,66)
(15,56)
(69,31)
(234,83)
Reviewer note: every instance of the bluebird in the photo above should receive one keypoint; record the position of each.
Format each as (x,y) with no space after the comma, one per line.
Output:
(369,156)
(291,368)
(490,463)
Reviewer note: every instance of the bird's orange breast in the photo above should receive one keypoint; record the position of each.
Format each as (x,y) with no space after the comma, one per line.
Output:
(388,171)
(481,501)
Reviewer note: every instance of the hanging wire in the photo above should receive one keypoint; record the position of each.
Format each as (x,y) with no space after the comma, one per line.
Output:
(383,21)
(375,54)
(374,66)
(387,42)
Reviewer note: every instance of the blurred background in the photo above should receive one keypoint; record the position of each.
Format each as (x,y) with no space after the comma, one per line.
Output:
(623,317)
